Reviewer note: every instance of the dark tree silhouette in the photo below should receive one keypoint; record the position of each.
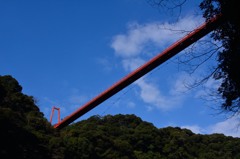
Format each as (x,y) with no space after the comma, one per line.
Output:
(229,57)
(227,53)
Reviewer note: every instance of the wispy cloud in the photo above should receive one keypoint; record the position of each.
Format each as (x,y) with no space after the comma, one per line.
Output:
(229,127)
(208,88)
(151,94)
(130,47)
(131,104)
(130,64)
(181,84)
(194,128)
(158,34)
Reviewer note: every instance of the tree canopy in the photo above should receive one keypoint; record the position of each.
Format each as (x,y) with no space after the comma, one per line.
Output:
(24,130)
(127,136)
(25,133)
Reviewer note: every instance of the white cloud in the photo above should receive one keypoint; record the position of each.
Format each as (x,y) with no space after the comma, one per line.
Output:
(131,105)
(194,128)
(150,94)
(229,127)
(131,64)
(181,84)
(139,36)
(208,87)
(130,48)
(149,108)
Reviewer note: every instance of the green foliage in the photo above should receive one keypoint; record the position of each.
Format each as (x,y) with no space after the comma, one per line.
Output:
(127,136)
(25,133)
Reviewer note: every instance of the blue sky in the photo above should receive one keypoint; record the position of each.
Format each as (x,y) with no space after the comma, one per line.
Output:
(65,53)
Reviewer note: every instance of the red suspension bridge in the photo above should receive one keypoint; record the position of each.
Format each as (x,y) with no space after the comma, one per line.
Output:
(168,53)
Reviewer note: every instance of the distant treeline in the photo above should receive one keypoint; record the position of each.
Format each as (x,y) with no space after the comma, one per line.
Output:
(25,133)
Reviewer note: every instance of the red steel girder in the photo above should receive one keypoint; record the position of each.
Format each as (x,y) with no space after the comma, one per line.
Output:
(171,51)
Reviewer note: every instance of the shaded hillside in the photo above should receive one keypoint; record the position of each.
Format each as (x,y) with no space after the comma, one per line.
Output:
(25,133)
(127,136)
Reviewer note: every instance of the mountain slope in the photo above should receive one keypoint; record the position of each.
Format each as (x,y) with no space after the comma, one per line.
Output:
(127,136)
(25,133)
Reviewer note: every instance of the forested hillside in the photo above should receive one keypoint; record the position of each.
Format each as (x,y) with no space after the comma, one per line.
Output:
(127,136)
(25,133)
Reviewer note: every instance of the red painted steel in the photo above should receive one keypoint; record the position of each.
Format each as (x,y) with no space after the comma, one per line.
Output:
(58,109)
(174,49)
